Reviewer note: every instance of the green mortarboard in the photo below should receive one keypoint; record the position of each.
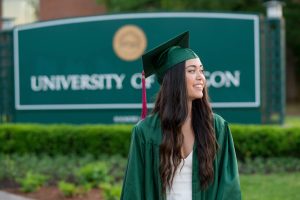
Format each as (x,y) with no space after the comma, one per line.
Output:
(163,57)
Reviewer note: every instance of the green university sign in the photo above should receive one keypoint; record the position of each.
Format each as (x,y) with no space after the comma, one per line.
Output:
(90,67)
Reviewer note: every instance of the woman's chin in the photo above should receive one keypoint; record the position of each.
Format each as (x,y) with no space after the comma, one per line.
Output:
(198,96)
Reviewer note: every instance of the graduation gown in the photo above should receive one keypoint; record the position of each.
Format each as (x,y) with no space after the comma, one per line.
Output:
(142,179)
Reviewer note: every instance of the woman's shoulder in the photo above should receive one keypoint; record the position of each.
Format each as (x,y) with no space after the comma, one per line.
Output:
(218,119)
(149,128)
(151,121)
(220,125)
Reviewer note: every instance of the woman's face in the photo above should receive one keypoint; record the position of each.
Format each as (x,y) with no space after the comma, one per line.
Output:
(195,80)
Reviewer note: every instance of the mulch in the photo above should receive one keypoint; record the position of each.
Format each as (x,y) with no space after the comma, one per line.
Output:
(52,193)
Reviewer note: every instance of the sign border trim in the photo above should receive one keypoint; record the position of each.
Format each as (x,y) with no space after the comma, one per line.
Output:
(16,30)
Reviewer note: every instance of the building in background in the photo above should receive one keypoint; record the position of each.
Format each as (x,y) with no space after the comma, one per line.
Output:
(54,9)
(17,12)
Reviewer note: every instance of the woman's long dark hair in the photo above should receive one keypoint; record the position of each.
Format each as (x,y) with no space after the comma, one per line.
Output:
(172,108)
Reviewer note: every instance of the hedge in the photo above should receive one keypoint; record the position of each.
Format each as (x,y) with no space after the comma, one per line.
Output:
(266,141)
(250,141)
(65,139)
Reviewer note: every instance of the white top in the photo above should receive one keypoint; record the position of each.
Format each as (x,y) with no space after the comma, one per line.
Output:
(182,183)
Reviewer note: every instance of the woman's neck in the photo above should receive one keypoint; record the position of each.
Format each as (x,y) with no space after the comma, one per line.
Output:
(189,115)
(188,133)
(187,124)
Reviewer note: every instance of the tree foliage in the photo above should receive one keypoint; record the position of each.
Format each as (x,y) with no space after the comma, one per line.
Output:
(292,19)
(176,5)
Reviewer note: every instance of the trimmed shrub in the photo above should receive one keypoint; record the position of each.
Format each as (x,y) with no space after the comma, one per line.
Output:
(250,140)
(65,139)
(266,141)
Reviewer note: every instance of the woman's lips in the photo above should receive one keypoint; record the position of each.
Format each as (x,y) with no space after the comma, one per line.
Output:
(198,86)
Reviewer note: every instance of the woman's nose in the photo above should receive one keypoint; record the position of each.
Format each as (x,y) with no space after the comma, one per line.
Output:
(198,75)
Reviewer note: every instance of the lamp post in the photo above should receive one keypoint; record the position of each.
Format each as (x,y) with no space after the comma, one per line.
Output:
(275,62)
(274,9)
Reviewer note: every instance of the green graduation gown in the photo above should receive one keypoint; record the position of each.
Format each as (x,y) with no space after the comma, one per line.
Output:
(142,180)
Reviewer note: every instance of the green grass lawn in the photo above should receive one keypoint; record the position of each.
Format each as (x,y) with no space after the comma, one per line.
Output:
(292,121)
(271,187)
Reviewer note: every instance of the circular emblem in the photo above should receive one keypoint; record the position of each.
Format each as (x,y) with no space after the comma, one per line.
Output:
(129,42)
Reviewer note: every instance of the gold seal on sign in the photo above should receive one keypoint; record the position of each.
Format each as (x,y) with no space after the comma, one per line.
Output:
(129,42)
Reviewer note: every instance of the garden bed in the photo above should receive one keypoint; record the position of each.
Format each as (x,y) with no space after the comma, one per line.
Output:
(53,193)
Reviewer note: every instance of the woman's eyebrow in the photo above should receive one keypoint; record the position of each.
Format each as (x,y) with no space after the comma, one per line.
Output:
(201,66)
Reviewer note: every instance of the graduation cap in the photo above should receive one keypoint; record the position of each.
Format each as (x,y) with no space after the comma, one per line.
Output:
(163,57)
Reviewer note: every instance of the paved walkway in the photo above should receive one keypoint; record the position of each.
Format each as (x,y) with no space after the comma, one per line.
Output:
(8,196)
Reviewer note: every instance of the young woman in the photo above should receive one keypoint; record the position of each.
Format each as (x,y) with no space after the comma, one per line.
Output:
(181,151)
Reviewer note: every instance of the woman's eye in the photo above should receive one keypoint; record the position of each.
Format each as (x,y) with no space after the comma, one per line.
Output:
(191,71)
